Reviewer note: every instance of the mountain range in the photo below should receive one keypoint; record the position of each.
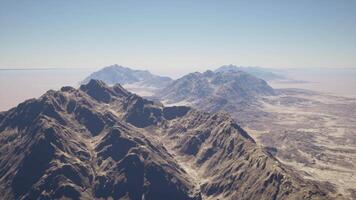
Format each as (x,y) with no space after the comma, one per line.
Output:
(235,85)
(228,88)
(102,142)
(231,89)
(234,92)
(260,72)
(123,75)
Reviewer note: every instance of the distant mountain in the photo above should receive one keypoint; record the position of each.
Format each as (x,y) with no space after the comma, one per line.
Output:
(235,92)
(101,142)
(263,73)
(123,75)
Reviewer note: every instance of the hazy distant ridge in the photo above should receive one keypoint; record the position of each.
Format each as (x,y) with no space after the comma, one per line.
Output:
(123,75)
(260,72)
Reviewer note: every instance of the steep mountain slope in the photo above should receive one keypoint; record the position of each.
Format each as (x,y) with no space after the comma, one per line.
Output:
(118,74)
(76,144)
(104,142)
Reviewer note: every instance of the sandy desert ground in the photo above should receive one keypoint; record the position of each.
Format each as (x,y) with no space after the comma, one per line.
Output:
(313,132)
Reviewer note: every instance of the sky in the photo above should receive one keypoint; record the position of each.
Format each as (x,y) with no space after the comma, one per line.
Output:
(170,37)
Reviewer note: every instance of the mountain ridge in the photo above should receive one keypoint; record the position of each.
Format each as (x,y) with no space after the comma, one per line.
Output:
(260,72)
(114,74)
(80,144)
(235,92)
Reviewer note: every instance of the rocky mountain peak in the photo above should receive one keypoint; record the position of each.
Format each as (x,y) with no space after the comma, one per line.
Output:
(100,91)
(94,83)
(101,142)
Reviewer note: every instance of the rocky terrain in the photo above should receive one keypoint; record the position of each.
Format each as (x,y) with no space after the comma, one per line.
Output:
(101,142)
(313,132)
(310,131)
(231,91)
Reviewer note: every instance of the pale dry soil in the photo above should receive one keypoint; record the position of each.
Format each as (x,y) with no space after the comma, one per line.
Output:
(313,132)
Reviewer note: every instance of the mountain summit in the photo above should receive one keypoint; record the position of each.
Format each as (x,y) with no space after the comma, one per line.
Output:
(101,142)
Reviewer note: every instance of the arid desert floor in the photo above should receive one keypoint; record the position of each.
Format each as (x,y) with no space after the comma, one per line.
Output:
(313,132)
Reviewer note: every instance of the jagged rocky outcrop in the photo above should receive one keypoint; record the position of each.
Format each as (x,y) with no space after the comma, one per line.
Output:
(101,142)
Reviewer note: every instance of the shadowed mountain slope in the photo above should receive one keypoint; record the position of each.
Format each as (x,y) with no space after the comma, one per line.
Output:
(100,142)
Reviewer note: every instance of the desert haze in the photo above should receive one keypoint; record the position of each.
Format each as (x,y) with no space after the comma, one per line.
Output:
(310,132)
(178,100)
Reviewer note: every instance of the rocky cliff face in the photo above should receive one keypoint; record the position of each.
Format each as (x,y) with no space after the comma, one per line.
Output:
(101,142)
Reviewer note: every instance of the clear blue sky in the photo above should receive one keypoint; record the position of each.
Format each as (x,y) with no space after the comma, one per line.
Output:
(169,36)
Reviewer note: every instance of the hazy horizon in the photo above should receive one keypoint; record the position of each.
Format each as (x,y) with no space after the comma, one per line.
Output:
(285,128)
(175,36)
(21,84)
(173,73)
